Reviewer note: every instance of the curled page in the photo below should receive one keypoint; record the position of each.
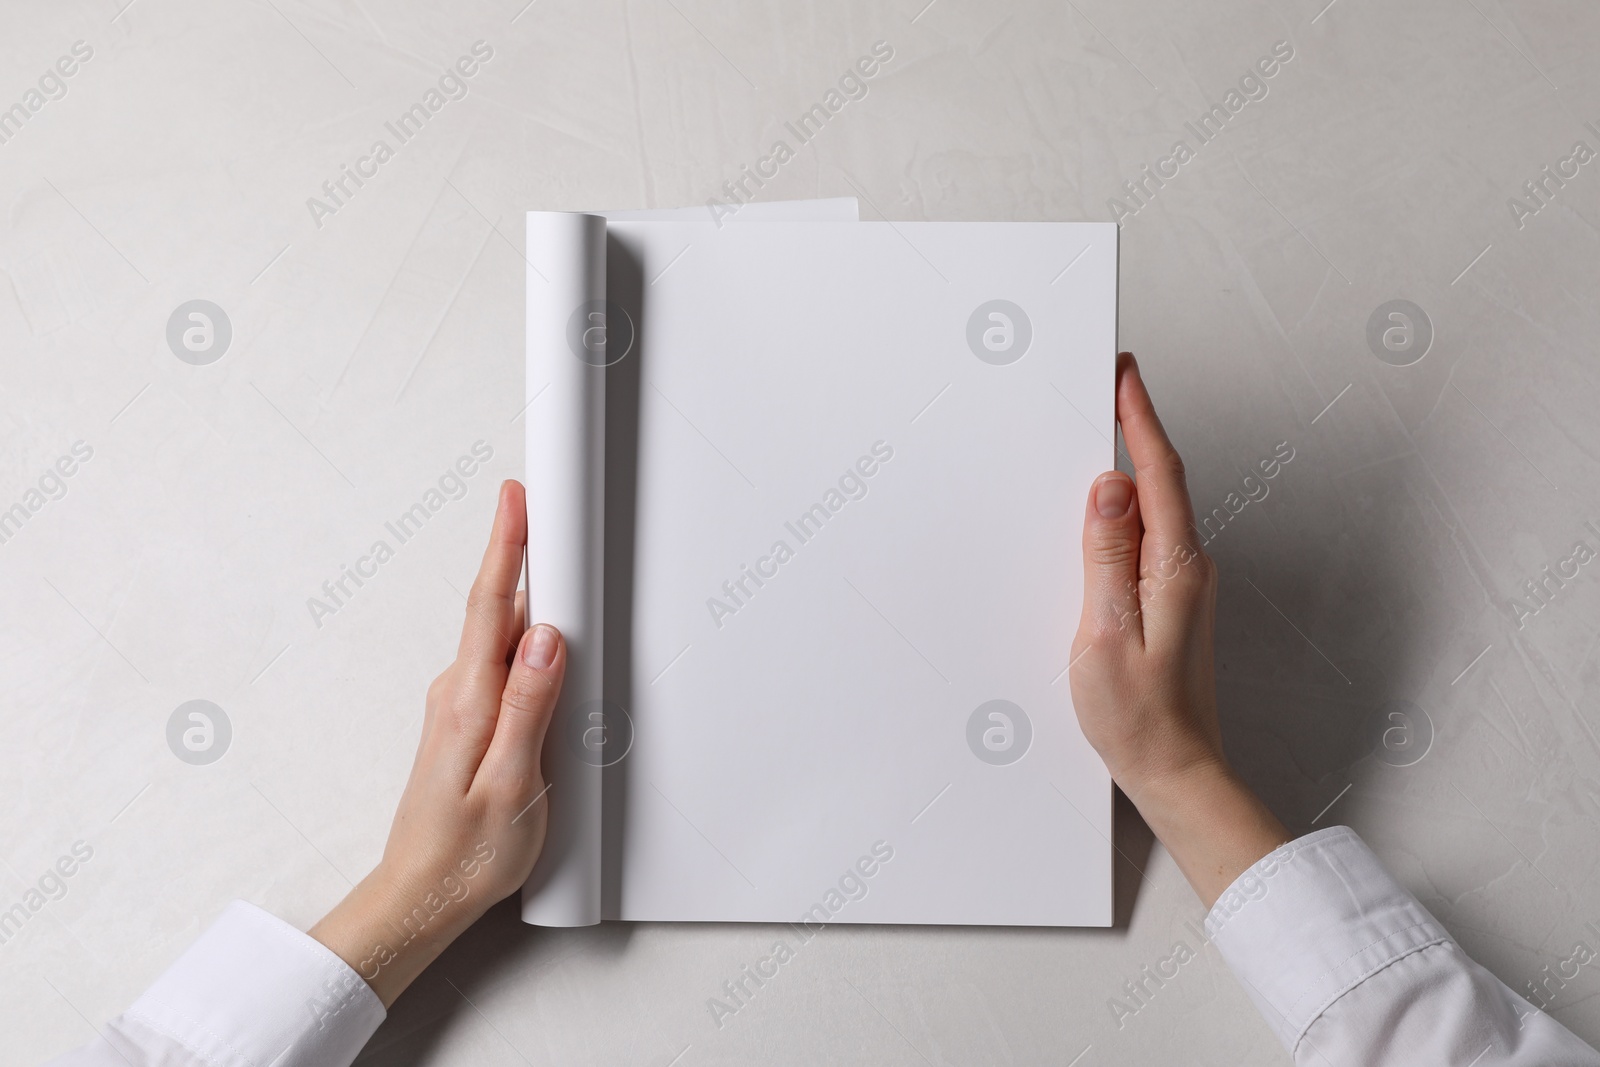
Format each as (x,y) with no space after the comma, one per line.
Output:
(565,477)
(570,346)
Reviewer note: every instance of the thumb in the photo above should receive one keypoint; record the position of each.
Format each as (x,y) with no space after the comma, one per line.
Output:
(532,686)
(1112,534)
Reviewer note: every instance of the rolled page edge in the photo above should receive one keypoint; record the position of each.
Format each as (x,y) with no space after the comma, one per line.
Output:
(564,474)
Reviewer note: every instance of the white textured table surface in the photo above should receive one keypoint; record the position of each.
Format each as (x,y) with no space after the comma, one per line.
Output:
(374,342)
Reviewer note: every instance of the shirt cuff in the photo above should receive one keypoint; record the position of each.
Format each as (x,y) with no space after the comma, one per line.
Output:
(254,991)
(1311,921)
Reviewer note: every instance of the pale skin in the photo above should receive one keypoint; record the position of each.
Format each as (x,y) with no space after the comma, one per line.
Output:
(476,782)
(1144,686)
(1141,679)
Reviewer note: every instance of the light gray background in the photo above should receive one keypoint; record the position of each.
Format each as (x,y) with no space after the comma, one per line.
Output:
(370,353)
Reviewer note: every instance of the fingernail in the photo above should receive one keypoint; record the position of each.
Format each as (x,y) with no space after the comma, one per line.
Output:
(1112,495)
(541,648)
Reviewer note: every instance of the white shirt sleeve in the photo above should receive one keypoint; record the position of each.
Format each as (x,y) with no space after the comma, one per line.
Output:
(252,991)
(1348,968)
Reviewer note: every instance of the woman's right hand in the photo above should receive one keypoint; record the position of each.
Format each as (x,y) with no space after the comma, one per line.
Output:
(472,819)
(1142,675)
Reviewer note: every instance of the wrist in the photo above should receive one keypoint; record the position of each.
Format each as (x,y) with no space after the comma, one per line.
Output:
(391,926)
(1210,821)
(1160,791)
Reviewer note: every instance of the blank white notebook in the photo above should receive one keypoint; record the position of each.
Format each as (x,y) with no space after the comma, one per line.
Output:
(806,497)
